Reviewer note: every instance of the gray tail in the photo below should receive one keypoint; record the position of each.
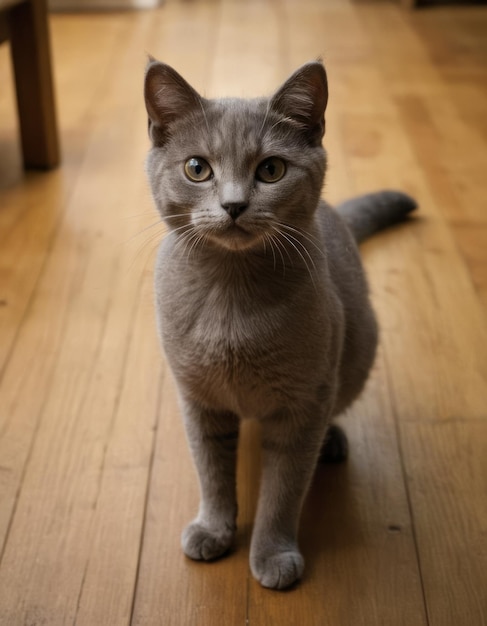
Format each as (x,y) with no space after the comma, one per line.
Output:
(365,215)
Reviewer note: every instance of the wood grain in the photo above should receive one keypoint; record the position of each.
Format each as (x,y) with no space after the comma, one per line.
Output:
(96,481)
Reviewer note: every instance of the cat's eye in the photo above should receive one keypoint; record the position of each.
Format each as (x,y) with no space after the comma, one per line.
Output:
(271,170)
(197,169)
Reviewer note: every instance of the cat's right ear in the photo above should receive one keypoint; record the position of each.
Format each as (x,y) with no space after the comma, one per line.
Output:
(303,99)
(167,97)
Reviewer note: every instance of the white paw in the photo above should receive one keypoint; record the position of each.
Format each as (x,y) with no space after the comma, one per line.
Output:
(202,544)
(279,569)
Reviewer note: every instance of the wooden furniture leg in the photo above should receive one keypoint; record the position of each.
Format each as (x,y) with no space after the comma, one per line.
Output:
(29,40)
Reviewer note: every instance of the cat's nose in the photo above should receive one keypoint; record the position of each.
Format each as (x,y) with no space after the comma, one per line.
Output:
(234,209)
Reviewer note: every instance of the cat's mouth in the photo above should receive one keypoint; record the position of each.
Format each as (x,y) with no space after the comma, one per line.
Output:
(236,237)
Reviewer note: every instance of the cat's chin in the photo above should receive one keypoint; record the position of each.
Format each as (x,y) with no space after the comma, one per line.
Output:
(236,239)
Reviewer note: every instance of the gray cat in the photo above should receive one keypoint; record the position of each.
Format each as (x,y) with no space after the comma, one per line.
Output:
(262,303)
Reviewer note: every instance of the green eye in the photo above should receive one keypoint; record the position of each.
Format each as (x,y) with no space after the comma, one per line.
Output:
(197,169)
(271,170)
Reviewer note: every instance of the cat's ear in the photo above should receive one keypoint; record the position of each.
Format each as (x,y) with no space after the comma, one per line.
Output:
(167,97)
(303,99)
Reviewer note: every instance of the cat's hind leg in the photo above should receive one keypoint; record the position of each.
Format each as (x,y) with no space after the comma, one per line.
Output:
(335,446)
(213,439)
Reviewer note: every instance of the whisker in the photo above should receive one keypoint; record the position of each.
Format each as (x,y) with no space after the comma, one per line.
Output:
(278,248)
(158,223)
(191,240)
(158,235)
(298,251)
(306,235)
(149,244)
(288,239)
(281,244)
(204,116)
(265,117)
(269,239)
(305,249)
(184,238)
(175,230)
(171,217)
(135,215)
(197,238)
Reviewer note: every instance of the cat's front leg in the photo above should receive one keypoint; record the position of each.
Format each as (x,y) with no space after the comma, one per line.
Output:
(213,438)
(291,446)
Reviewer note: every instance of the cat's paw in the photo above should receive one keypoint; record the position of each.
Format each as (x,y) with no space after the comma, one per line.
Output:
(278,570)
(204,544)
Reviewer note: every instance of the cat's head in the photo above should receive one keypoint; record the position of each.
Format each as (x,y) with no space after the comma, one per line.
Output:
(233,171)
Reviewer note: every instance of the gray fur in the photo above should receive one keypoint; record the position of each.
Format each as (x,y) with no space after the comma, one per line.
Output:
(264,315)
(371,212)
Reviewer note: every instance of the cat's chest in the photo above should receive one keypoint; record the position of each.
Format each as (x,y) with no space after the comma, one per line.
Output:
(238,345)
(216,312)
(224,344)
(219,327)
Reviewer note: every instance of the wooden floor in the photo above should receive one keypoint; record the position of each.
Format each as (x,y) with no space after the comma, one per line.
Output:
(96,481)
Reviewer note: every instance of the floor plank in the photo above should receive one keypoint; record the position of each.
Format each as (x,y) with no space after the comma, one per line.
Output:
(96,481)
(447,472)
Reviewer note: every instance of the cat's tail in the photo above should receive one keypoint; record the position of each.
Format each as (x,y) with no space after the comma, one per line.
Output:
(365,215)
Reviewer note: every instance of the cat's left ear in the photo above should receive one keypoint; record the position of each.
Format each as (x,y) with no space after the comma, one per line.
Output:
(303,99)
(167,97)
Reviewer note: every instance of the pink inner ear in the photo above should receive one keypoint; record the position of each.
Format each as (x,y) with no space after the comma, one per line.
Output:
(167,95)
(303,97)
